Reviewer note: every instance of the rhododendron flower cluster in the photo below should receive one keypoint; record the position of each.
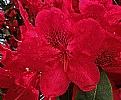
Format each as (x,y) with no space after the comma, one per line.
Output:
(50,44)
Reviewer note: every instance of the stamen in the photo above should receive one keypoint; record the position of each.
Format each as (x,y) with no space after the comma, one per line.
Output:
(57,38)
(65,61)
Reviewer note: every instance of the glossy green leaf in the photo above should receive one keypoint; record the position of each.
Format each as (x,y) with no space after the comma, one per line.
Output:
(57,98)
(68,94)
(103,90)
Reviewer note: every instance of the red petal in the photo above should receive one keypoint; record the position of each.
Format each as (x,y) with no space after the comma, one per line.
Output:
(90,35)
(93,10)
(58,3)
(54,82)
(6,78)
(56,20)
(37,52)
(116,94)
(15,67)
(23,13)
(29,79)
(75,17)
(113,17)
(8,56)
(83,72)
(1,17)
(112,42)
(75,5)
(103,1)
(82,4)
(67,7)
(30,28)
(17,92)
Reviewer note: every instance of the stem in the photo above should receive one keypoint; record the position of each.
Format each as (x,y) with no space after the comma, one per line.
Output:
(95,93)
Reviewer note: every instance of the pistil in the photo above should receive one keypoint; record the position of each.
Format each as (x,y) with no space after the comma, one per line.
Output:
(65,61)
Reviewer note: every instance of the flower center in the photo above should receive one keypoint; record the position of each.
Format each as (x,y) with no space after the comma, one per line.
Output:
(57,38)
(108,58)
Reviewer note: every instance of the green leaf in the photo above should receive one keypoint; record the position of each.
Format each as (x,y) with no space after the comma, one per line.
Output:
(103,90)
(68,94)
(57,98)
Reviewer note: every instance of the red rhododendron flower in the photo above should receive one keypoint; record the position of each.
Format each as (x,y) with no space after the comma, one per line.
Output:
(110,55)
(54,50)
(110,60)
(21,84)
(60,49)
(65,67)
(95,10)
(59,45)
(108,17)
(24,86)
